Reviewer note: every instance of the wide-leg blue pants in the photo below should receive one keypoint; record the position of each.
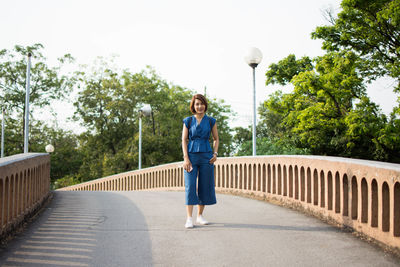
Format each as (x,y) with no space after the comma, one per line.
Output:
(204,194)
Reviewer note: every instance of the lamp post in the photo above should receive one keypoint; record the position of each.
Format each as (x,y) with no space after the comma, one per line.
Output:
(253,57)
(50,149)
(2,130)
(28,80)
(144,111)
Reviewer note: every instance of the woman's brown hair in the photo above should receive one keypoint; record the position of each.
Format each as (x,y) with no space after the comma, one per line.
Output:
(199,97)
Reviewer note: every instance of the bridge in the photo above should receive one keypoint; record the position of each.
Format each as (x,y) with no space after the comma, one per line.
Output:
(137,218)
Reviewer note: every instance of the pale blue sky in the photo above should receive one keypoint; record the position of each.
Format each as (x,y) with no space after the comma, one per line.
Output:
(189,43)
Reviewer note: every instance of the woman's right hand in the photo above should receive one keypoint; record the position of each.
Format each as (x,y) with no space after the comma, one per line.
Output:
(187,165)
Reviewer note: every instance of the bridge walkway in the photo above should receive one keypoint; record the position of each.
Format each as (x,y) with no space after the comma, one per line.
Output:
(146,228)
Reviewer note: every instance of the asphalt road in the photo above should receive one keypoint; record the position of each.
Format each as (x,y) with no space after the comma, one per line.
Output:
(147,229)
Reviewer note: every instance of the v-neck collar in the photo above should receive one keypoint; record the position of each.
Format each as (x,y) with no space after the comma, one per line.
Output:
(197,123)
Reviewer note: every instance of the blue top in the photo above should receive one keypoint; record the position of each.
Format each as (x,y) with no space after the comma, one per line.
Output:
(199,133)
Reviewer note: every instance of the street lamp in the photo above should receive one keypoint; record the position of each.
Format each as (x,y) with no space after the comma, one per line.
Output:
(253,57)
(28,80)
(49,148)
(2,130)
(144,111)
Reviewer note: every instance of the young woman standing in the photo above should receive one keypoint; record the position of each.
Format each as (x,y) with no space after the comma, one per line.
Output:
(199,159)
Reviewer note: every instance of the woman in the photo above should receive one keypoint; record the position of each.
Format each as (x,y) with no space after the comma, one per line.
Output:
(199,159)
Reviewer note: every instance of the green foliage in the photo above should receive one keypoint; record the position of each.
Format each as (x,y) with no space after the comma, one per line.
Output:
(65,159)
(329,113)
(284,70)
(65,181)
(108,106)
(222,113)
(266,146)
(371,29)
(364,127)
(13,136)
(270,136)
(46,83)
(241,136)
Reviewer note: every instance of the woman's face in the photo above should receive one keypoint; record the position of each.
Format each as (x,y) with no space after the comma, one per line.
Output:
(199,106)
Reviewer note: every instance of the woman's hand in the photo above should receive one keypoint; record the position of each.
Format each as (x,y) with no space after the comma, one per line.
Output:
(213,159)
(187,165)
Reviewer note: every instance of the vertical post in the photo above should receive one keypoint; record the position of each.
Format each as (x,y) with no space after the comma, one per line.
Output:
(254,112)
(253,58)
(140,141)
(2,131)
(28,73)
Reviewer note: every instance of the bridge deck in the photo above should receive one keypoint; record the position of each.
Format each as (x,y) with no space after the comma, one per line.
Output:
(147,228)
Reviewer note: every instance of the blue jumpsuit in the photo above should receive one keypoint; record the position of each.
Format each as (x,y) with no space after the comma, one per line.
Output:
(200,153)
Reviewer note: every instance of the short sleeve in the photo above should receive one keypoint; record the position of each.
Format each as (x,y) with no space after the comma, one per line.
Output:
(213,121)
(186,121)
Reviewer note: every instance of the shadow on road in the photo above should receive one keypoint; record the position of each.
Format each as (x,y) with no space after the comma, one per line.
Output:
(271,227)
(78,229)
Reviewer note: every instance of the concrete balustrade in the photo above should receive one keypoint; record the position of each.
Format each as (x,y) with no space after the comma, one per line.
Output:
(363,195)
(24,185)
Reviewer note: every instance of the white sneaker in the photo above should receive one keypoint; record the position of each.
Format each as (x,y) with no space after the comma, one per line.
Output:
(201,220)
(189,223)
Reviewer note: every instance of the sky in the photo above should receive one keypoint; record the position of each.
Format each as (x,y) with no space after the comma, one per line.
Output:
(193,44)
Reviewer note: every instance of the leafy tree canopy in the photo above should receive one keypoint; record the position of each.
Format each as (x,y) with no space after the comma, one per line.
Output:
(328,112)
(108,106)
(283,71)
(371,29)
(46,83)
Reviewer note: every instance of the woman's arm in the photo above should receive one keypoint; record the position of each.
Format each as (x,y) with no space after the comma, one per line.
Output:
(187,165)
(214,132)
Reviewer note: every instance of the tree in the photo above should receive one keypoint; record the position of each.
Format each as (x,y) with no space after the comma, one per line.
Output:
(283,71)
(108,106)
(242,135)
(364,128)
(266,146)
(13,136)
(371,29)
(222,113)
(270,136)
(107,114)
(328,112)
(46,83)
(66,158)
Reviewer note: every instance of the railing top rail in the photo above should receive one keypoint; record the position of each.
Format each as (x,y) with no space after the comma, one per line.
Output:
(19,157)
(179,163)
(369,163)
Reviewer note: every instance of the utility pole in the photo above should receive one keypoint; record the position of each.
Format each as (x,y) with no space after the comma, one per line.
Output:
(28,80)
(2,131)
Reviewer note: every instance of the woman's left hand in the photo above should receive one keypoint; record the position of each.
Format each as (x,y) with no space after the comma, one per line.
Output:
(213,159)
